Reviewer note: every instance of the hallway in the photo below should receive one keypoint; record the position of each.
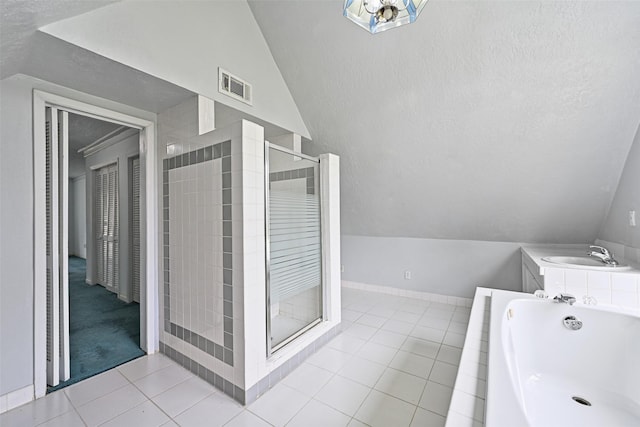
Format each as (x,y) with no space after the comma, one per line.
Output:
(104,331)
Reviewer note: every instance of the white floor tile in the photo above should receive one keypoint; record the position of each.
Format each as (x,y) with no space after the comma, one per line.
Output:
(401,385)
(436,398)
(362,371)
(212,411)
(247,419)
(38,411)
(68,419)
(398,326)
(442,307)
(144,415)
(423,348)
(329,359)
(343,394)
(351,315)
(162,380)
(382,311)
(371,320)
(111,405)
(453,339)
(413,364)
(183,396)
(381,410)
(356,423)
(429,334)
(443,373)
(388,338)
(279,405)
(377,353)
(446,314)
(346,343)
(457,327)
(403,316)
(361,306)
(361,331)
(317,414)
(460,316)
(144,366)
(449,354)
(434,322)
(424,418)
(92,388)
(308,379)
(413,308)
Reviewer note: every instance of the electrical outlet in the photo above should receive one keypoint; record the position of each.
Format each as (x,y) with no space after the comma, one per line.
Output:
(632,218)
(342,268)
(407,275)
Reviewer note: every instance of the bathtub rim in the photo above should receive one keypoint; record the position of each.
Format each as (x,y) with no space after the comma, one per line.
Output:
(502,405)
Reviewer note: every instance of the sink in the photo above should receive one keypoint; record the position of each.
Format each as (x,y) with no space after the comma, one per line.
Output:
(584,262)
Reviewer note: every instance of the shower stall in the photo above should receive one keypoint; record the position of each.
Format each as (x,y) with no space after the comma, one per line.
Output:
(251,254)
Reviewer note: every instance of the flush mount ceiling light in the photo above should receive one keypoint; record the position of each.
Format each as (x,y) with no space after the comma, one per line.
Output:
(380,15)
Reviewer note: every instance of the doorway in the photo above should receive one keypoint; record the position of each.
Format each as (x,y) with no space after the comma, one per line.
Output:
(52,337)
(99,326)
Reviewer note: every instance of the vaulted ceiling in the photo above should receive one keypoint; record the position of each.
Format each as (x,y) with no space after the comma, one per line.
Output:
(483,120)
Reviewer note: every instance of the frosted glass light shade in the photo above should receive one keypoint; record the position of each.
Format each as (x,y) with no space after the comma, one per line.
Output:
(379,15)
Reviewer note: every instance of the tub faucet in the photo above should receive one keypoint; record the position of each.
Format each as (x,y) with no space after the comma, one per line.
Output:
(602,254)
(565,298)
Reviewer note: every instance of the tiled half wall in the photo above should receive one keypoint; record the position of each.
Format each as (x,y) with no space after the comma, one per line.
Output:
(198,294)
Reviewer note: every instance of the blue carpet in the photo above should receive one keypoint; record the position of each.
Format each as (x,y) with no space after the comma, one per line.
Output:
(104,332)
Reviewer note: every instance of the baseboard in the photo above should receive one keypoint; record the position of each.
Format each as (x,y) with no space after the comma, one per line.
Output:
(425,296)
(16,398)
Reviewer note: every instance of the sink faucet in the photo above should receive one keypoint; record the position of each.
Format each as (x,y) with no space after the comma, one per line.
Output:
(602,254)
(565,298)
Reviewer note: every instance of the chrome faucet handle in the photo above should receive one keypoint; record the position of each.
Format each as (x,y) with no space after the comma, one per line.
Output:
(601,249)
(565,298)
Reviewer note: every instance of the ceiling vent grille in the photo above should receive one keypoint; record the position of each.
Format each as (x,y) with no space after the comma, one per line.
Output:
(234,87)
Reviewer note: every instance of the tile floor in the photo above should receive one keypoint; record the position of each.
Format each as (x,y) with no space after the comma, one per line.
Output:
(394,365)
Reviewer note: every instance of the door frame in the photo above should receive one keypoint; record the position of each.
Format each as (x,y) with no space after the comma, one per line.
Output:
(149,332)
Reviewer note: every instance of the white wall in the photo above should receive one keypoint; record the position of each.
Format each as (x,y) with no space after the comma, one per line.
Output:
(119,153)
(185,43)
(616,228)
(16,222)
(446,267)
(16,237)
(78,217)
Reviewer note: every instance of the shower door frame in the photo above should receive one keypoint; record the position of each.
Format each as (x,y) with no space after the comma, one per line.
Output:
(272,349)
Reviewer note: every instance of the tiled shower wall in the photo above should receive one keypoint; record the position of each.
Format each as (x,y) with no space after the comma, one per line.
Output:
(198,295)
(201,295)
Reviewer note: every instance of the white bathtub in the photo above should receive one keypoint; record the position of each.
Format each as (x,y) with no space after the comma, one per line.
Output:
(537,366)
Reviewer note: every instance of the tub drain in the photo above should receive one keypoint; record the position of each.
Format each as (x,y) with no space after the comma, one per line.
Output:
(581,400)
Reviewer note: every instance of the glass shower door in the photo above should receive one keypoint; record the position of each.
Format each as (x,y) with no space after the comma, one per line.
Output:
(294,261)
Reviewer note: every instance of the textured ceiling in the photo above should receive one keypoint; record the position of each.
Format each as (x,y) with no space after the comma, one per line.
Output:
(484,120)
(20,19)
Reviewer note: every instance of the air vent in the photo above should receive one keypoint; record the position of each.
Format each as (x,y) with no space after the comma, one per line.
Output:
(234,87)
